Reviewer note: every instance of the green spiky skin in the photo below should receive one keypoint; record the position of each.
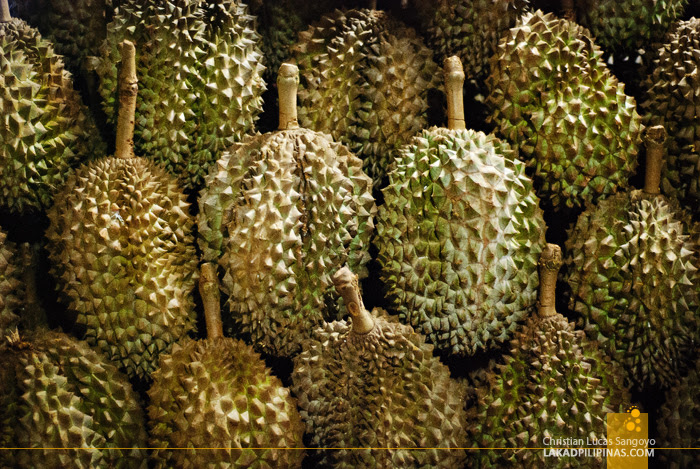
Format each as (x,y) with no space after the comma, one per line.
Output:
(552,96)
(553,383)
(364,78)
(383,389)
(217,393)
(633,267)
(672,97)
(122,250)
(56,392)
(200,79)
(10,289)
(278,212)
(45,130)
(459,237)
(621,26)
(678,422)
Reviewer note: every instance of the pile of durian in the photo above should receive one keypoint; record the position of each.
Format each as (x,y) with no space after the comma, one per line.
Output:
(342,234)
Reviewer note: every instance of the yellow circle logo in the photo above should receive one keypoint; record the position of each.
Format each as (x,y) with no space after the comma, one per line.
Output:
(632,424)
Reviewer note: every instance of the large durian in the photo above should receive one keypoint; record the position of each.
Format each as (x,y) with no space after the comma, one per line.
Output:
(365,79)
(459,234)
(122,248)
(217,398)
(67,403)
(554,383)
(10,294)
(201,78)
(45,130)
(633,265)
(553,97)
(673,100)
(277,210)
(373,395)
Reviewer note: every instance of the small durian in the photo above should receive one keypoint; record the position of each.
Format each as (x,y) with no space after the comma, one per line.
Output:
(459,234)
(277,210)
(553,97)
(554,383)
(373,395)
(62,405)
(122,248)
(10,287)
(217,398)
(633,265)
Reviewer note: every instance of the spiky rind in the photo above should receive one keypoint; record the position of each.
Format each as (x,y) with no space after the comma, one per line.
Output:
(123,255)
(200,79)
(384,392)
(56,392)
(217,393)
(633,265)
(10,286)
(459,236)
(554,383)
(279,23)
(364,78)
(281,210)
(552,96)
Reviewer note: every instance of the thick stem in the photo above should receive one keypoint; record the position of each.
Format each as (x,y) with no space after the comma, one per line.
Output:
(209,291)
(549,264)
(287,82)
(654,138)
(372,4)
(128,88)
(454,83)
(567,10)
(4,12)
(347,285)
(33,314)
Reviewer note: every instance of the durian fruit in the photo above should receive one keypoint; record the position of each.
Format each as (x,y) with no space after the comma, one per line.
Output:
(10,290)
(217,398)
(365,79)
(678,423)
(633,265)
(201,78)
(277,210)
(553,383)
(45,130)
(459,234)
(122,248)
(67,403)
(553,97)
(672,100)
(373,395)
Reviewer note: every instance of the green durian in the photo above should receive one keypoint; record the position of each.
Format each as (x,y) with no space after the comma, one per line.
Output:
(67,403)
(554,383)
(200,70)
(277,210)
(10,286)
(122,249)
(459,234)
(373,395)
(633,265)
(553,97)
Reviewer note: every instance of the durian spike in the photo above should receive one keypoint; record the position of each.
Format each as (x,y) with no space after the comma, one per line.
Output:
(287,82)
(128,88)
(4,12)
(454,84)
(567,9)
(347,285)
(654,138)
(549,264)
(209,291)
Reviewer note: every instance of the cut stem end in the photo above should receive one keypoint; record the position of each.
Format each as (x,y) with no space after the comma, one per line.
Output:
(549,265)
(348,286)
(454,85)
(287,83)
(128,89)
(5,16)
(209,291)
(654,139)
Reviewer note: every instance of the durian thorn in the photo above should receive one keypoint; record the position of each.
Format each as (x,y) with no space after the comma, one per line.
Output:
(654,139)
(549,264)
(287,82)
(209,291)
(454,84)
(348,286)
(128,88)
(15,341)
(4,12)
(568,11)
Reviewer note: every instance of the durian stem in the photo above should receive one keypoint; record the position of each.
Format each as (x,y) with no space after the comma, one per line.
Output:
(549,264)
(209,291)
(454,84)
(33,315)
(4,12)
(654,138)
(128,88)
(348,286)
(372,4)
(567,9)
(287,82)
